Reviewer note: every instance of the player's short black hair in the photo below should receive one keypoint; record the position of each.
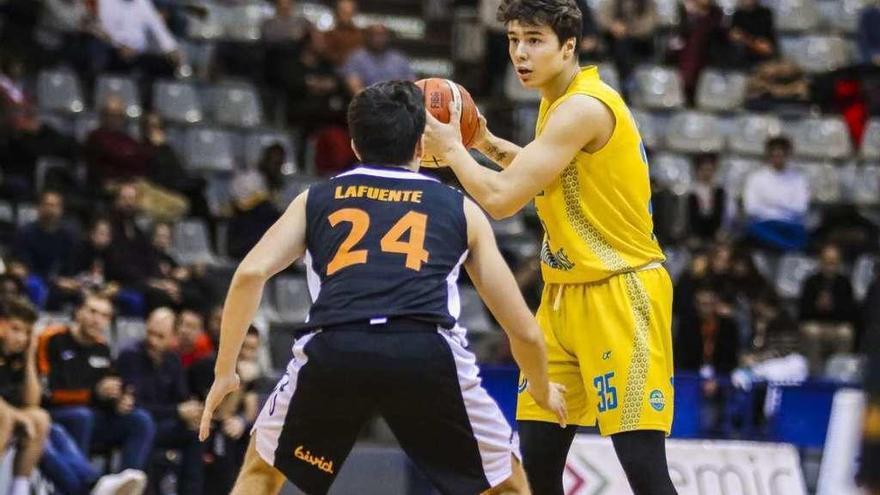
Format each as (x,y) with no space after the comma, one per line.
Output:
(779,142)
(386,121)
(563,16)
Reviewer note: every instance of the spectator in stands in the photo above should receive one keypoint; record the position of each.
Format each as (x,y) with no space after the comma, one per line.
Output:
(112,155)
(11,287)
(869,33)
(154,371)
(130,243)
(20,393)
(130,27)
(774,83)
(44,245)
(752,34)
(215,319)
(376,61)
(706,201)
(193,344)
(827,311)
(253,214)
(271,167)
(90,266)
(82,389)
(164,276)
(775,200)
(345,37)
(698,41)
(591,44)
(66,25)
(286,27)
(628,27)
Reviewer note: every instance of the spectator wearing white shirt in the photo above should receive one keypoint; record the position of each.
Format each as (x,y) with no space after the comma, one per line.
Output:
(775,201)
(137,38)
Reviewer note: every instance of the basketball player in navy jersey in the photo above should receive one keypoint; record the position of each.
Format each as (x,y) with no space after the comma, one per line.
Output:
(383,246)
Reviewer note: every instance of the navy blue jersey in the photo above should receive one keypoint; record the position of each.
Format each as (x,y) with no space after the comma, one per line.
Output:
(384,243)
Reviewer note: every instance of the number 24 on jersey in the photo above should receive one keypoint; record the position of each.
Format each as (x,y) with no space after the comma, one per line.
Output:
(391,242)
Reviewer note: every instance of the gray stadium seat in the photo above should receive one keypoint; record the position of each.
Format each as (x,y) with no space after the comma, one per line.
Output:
(848,368)
(793,271)
(817,53)
(432,67)
(7,214)
(84,124)
(127,332)
(59,90)
(863,275)
(667,13)
(871,140)
(294,185)
(673,170)
(205,28)
(866,190)
(257,140)
(824,179)
(795,15)
(841,15)
(822,137)
(694,132)
(122,87)
(608,74)
(657,88)
(751,131)
(235,104)
(209,149)
(291,298)
(177,101)
(719,91)
(26,213)
(242,22)
(191,242)
(321,16)
(474,315)
(649,129)
(733,171)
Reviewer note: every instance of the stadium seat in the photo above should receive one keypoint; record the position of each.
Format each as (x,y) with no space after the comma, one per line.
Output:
(841,15)
(242,22)
(7,214)
(122,87)
(177,101)
(846,368)
(191,242)
(608,74)
(235,104)
(257,140)
(677,261)
(657,88)
(793,271)
(432,67)
(63,124)
(667,13)
(822,137)
(474,315)
(84,124)
(694,132)
(721,91)
(46,163)
(515,91)
(750,132)
(291,298)
(732,173)
(26,213)
(673,170)
(468,36)
(405,27)
(871,140)
(649,128)
(817,53)
(127,332)
(863,275)
(866,189)
(321,16)
(58,90)
(824,179)
(795,15)
(209,149)
(205,28)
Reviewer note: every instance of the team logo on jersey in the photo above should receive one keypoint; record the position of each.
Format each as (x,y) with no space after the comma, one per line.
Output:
(658,402)
(523,385)
(558,261)
(606,355)
(319,462)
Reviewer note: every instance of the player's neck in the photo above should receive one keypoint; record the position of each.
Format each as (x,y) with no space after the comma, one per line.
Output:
(556,87)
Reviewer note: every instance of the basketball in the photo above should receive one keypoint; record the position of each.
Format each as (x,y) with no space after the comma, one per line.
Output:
(438,93)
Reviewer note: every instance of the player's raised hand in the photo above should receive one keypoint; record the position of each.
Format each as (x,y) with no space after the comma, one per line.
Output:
(552,399)
(223,385)
(440,138)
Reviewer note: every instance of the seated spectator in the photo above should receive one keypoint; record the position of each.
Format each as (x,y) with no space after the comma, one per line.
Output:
(91,262)
(130,243)
(253,213)
(775,201)
(112,155)
(193,344)
(345,37)
(215,319)
(20,393)
(752,34)
(65,26)
(628,27)
(11,287)
(706,201)
(155,374)
(271,167)
(869,34)
(698,42)
(827,311)
(44,245)
(774,83)
(131,26)
(376,61)
(285,27)
(82,392)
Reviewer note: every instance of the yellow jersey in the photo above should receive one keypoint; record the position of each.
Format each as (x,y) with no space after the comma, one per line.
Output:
(597,212)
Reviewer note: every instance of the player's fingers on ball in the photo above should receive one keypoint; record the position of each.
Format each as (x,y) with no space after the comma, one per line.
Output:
(454,114)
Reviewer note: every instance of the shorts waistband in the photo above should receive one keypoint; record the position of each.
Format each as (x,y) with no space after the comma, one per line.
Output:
(401,324)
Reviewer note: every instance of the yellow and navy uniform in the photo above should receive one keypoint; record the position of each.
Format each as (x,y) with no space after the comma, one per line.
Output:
(607,302)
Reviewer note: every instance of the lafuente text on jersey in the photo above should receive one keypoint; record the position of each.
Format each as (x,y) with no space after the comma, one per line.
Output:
(378,194)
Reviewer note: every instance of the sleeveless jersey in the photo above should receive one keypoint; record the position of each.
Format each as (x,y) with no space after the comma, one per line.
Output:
(384,243)
(597,213)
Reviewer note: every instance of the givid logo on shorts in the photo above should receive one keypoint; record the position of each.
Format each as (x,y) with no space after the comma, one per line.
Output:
(319,462)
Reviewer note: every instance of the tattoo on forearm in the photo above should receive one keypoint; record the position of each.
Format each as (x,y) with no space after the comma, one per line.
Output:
(496,154)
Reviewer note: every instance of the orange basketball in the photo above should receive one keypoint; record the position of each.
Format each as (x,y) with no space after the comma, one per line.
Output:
(438,93)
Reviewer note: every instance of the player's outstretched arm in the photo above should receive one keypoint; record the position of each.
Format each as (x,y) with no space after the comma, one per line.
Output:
(281,245)
(497,287)
(577,123)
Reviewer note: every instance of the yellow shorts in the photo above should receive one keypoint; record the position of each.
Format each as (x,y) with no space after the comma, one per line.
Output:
(610,344)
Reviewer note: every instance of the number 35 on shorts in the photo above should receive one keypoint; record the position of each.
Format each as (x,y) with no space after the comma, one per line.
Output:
(606,391)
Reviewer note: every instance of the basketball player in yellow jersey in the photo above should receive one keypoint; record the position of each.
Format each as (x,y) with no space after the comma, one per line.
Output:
(607,302)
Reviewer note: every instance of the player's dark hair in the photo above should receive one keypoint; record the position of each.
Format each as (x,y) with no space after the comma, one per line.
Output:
(386,121)
(563,16)
(19,309)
